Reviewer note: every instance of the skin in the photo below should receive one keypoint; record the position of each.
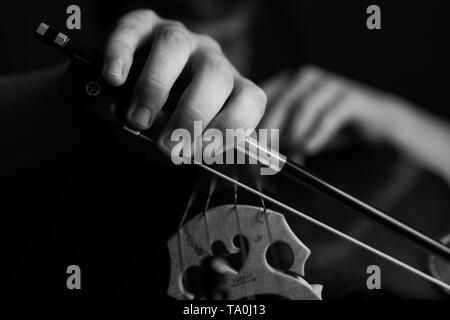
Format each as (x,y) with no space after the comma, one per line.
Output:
(314,105)
(317,103)
(218,95)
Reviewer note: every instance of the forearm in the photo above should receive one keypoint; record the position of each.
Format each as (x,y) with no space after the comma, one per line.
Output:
(425,138)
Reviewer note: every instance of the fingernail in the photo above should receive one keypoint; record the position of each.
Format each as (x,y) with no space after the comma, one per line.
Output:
(141,116)
(114,68)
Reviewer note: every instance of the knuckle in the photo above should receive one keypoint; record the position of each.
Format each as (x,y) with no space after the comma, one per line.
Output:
(310,71)
(255,93)
(175,34)
(122,45)
(175,23)
(131,21)
(152,90)
(137,16)
(217,64)
(125,26)
(236,122)
(144,15)
(209,42)
(197,112)
(156,82)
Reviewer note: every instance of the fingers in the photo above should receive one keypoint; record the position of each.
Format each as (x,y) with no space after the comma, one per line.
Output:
(285,95)
(328,128)
(274,89)
(216,91)
(280,107)
(171,49)
(132,30)
(244,109)
(274,86)
(170,52)
(314,106)
(309,111)
(313,110)
(208,91)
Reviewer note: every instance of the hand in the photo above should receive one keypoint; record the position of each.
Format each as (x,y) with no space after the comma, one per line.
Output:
(217,94)
(312,106)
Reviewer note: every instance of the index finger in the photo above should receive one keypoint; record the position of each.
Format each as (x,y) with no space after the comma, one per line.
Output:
(131,30)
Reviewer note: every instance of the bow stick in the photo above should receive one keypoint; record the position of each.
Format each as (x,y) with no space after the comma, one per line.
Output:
(88,61)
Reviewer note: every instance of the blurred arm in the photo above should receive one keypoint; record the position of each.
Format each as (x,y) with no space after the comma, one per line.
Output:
(423,137)
(314,105)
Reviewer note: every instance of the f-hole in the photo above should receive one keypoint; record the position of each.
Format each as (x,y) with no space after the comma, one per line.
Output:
(205,281)
(279,256)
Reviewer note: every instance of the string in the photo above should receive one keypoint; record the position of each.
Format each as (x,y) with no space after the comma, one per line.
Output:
(180,225)
(269,230)
(338,233)
(274,255)
(361,244)
(244,253)
(212,187)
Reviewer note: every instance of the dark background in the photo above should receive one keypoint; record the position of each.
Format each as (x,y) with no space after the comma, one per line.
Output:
(108,211)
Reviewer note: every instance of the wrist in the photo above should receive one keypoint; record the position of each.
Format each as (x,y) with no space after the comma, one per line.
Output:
(403,121)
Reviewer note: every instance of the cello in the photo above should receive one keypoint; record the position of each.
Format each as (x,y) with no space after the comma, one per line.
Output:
(251,231)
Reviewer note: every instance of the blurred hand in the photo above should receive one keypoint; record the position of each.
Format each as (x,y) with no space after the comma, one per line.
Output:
(313,105)
(217,94)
